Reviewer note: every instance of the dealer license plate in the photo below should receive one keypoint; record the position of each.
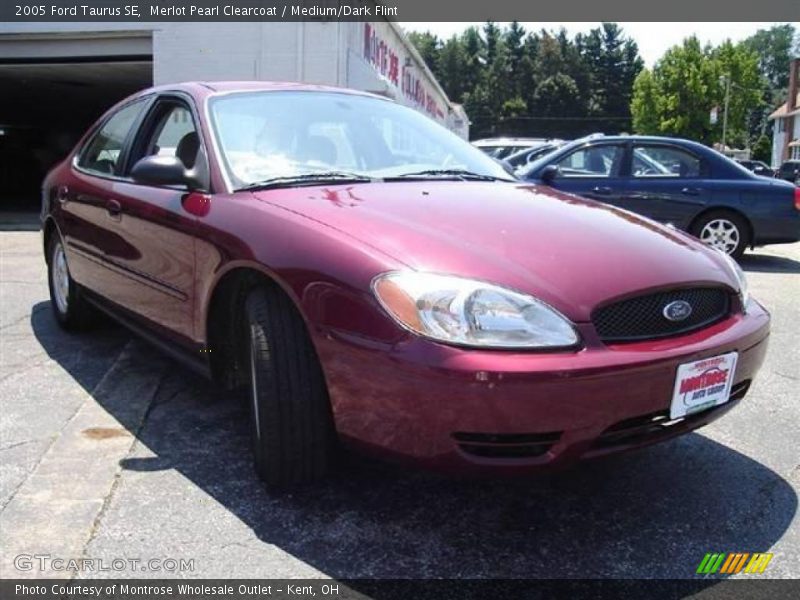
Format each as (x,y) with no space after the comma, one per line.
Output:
(703,384)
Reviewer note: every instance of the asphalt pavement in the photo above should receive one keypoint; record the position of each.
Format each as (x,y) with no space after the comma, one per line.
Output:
(111,451)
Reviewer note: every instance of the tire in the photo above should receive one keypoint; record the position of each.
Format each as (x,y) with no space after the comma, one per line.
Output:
(70,309)
(724,230)
(290,417)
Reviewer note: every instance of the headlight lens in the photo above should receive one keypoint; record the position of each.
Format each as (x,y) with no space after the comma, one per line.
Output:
(738,273)
(471,313)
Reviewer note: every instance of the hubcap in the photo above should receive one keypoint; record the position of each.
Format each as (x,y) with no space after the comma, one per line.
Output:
(60,275)
(721,234)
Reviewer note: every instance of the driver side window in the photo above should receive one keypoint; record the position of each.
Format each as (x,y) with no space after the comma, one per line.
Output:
(175,135)
(591,161)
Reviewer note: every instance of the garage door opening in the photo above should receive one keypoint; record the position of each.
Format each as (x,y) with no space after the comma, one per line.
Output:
(44,109)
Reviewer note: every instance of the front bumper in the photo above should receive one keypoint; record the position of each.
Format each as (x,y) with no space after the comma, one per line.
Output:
(456,409)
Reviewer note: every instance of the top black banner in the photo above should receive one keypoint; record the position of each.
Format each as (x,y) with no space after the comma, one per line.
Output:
(398,10)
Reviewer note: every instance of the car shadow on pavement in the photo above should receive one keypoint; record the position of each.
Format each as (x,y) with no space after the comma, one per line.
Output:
(649,514)
(769,263)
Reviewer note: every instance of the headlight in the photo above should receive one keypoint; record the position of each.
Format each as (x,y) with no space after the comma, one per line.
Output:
(738,273)
(471,313)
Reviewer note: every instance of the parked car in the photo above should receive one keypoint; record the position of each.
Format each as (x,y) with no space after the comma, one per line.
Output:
(370,278)
(521,159)
(758,167)
(790,171)
(503,147)
(676,182)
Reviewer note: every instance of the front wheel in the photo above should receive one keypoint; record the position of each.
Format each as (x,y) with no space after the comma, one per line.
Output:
(290,416)
(723,230)
(69,308)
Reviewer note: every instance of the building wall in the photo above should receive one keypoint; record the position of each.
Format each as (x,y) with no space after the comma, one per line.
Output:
(306,52)
(779,139)
(357,55)
(381,60)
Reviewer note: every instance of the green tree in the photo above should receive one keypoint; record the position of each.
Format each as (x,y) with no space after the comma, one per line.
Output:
(493,38)
(739,65)
(677,96)
(687,83)
(774,48)
(427,44)
(613,61)
(762,149)
(474,58)
(514,39)
(513,108)
(554,95)
(452,69)
(644,105)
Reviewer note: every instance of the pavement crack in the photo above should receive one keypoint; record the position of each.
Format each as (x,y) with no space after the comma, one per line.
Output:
(17,444)
(61,430)
(25,317)
(792,377)
(118,474)
(18,370)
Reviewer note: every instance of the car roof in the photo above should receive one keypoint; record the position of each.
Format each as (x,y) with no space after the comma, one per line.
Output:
(208,88)
(641,138)
(506,141)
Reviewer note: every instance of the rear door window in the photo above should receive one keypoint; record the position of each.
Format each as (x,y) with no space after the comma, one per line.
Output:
(664,161)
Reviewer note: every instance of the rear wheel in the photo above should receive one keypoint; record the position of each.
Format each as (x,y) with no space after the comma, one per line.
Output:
(291,423)
(70,309)
(723,230)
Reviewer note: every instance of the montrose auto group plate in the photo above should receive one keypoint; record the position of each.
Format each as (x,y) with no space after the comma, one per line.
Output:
(703,384)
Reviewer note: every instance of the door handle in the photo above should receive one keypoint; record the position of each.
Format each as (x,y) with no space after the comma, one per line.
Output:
(62,194)
(690,191)
(114,209)
(601,189)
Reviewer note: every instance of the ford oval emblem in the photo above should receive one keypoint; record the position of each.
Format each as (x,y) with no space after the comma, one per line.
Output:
(677,310)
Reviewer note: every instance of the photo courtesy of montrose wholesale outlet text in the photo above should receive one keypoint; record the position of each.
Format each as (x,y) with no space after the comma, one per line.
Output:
(399,299)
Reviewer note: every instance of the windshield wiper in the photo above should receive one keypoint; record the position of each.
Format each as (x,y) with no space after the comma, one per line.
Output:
(306,179)
(447,173)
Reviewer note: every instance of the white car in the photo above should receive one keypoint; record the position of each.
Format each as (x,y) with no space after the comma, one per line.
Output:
(506,146)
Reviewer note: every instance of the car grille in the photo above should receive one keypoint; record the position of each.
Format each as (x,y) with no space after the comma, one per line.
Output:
(650,427)
(506,445)
(642,317)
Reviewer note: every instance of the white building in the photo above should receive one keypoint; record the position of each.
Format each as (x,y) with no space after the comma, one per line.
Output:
(786,133)
(57,78)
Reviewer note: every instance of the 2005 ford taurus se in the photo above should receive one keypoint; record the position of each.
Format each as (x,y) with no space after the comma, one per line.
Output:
(370,278)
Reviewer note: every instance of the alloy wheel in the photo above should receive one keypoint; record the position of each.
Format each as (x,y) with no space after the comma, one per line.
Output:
(721,234)
(60,276)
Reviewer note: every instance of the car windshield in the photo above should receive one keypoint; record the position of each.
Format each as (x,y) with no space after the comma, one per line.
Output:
(291,136)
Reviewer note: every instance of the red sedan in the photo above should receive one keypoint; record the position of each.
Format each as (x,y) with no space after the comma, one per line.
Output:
(372,279)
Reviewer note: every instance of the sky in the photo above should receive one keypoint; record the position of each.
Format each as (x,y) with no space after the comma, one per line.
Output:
(653,39)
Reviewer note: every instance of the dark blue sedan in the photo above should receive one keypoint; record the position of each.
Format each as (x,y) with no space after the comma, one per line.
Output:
(679,182)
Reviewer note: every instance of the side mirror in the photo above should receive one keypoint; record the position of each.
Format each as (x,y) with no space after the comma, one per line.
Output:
(164,170)
(549,173)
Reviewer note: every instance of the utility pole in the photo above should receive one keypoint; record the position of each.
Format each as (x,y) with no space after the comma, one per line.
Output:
(725,110)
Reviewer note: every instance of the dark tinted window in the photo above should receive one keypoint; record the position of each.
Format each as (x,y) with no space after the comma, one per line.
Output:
(103,152)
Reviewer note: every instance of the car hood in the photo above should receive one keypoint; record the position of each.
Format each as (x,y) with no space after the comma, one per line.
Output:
(572,253)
